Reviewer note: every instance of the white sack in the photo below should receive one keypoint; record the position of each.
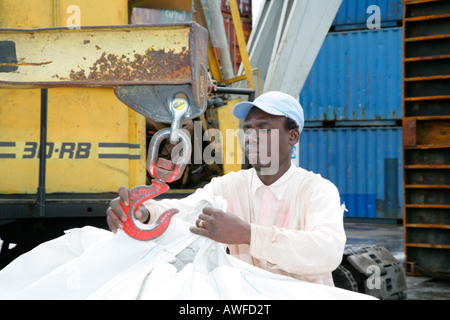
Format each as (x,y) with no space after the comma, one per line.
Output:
(92,263)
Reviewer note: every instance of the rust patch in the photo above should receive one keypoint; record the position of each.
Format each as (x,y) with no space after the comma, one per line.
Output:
(154,65)
(19,64)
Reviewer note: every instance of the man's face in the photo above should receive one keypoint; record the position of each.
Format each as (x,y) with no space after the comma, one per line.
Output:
(268,144)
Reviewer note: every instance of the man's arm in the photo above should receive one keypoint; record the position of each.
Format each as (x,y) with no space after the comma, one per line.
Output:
(150,210)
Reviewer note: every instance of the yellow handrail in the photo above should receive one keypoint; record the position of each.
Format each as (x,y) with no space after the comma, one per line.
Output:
(235,15)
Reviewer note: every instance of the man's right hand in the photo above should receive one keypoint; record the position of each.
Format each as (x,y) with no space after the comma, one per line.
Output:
(116,216)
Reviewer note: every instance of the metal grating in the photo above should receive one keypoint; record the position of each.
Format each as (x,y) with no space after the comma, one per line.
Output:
(426,137)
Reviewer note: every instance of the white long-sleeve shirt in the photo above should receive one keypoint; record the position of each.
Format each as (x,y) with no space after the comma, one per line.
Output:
(296,222)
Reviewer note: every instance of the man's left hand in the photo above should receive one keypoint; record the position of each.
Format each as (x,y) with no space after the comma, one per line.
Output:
(222,227)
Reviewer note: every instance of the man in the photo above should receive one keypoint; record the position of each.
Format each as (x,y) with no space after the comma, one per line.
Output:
(288,221)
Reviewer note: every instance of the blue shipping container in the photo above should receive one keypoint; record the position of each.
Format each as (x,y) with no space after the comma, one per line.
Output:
(365,164)
(356,76)
(353,14)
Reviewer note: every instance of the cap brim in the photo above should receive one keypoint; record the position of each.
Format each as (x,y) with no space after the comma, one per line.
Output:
(242,109)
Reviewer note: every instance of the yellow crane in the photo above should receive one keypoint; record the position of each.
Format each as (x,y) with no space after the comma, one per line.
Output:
(65,73)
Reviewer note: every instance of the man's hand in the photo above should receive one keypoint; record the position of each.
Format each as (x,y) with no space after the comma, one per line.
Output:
(222,227)
(116,216)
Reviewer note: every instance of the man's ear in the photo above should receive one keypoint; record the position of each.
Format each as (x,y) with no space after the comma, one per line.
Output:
(294,136)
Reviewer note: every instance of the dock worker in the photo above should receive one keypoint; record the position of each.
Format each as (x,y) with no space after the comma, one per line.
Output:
(286,220)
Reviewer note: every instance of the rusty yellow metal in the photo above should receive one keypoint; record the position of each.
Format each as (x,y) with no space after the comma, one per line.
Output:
(95,142)
(98,56)
(92,143)
(92,13)
(26,14)
(33,14)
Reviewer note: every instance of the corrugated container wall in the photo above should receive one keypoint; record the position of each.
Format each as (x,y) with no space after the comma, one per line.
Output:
(353,14)
(357,75)
(352,100)
(364,163)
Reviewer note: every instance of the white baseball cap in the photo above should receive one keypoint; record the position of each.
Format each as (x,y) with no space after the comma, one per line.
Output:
(276,103)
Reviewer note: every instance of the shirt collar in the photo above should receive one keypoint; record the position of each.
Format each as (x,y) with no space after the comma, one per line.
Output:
(278,188)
